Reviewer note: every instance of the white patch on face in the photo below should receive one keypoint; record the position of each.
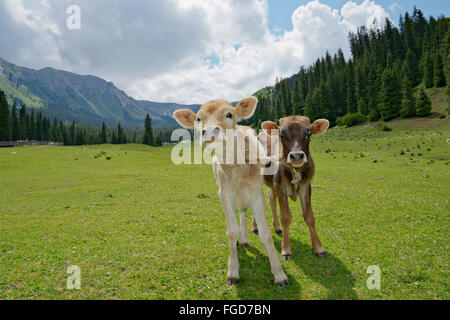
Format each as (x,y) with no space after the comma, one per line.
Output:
(297,165)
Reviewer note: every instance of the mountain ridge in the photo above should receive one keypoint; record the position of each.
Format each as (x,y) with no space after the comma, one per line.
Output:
(85,99)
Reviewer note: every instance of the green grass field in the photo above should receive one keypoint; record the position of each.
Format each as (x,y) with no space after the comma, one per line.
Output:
(140,227)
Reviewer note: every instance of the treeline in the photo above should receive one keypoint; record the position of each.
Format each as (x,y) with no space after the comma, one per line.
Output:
(31,124)
(380,81)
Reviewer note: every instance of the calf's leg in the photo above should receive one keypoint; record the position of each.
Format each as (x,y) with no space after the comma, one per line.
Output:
(233,236)
(308,215)
(259,212)
(244,237)
(286,220)
(254,226)
(273,207)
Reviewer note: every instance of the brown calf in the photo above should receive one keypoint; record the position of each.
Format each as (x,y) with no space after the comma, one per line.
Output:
(294,177)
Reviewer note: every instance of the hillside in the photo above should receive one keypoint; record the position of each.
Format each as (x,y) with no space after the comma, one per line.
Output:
(86,99)
(381,80)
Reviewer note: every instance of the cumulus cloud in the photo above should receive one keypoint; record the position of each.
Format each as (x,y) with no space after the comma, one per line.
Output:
(186,51)
(395,6)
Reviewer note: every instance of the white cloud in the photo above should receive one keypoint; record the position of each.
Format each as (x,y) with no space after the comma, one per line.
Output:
(394,6)
(156,50)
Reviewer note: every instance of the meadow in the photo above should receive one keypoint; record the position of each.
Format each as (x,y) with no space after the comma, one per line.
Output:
(140,227)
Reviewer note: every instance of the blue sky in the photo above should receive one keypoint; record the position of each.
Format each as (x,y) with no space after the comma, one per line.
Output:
(280,11)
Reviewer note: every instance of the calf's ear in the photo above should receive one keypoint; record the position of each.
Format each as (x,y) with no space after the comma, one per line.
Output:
(186,118)
(320,126)
(268,126)
(246,108)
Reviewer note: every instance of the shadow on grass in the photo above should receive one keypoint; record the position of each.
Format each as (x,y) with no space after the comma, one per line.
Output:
(330,272)
(257,282)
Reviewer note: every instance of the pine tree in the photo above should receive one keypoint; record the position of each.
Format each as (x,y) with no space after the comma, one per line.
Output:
(14,123)
(31,126)
(428,70)
(439,76)
(158,140)
(39,127)
(53,132)
(352,104)
(362,107)
(45,129)
(408,102)
(80,137)
(72,137)
(411,67)
(5,129)
(120,135)
(296,98)
(113,138)
(103,136)
(423,107)
(390,96)
(148,132)
(63,133)
(23,123)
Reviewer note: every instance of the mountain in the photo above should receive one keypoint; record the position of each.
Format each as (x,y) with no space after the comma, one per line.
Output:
(86,99)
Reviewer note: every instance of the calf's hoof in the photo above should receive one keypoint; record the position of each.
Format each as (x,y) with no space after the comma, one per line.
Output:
(232,281)
(286,256)
(255,232)
(245,245)
(321,255)
(283,283)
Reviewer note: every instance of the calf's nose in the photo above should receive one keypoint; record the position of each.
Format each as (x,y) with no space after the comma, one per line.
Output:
(299,156)
(214,130)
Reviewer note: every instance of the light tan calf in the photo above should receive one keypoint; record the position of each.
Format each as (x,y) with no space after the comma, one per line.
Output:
(240,185)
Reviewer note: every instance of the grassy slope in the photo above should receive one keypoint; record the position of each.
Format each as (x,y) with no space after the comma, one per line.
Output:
(140,227)
(19,92)
(440,101)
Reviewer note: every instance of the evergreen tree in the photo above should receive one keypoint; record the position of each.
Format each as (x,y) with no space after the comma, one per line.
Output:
(428,70)
(63,134)
(390,96)
(411,67)
(114,138)
(296,98)
(54,132)
(14,123)
(439,76)
(158,140)
(31,126)
(423,107)
(80,136)
(352,104)
(103,135)
(23,123)
(39,127)
(72,137)
(363,107)
(5,129)
(148,132)
(120,135)
(408,102)
(45,129)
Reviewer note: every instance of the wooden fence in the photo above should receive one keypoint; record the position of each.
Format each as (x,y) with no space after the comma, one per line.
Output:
(21,143)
